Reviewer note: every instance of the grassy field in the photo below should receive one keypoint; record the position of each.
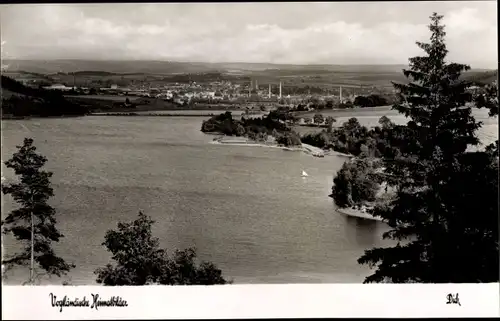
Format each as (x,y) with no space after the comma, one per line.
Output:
(303,130)
(342,115)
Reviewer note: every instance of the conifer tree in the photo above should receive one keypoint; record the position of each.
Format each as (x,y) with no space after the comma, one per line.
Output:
(445,211)
(34,223)
(488,98)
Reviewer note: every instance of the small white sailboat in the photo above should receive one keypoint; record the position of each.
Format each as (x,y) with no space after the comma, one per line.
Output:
(304,174)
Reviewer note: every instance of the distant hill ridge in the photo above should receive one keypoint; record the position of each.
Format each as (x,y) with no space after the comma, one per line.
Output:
(168,67)
(331,73)
(100,67)
(482,77)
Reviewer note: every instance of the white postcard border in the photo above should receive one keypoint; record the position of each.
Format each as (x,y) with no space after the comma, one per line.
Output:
(256,301)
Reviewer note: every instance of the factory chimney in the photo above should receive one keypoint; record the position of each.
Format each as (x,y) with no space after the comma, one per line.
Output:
(341,94)
(280,89)
(256,85)
(269,91)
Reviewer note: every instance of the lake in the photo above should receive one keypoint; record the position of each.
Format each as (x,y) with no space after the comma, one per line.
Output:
(246,209)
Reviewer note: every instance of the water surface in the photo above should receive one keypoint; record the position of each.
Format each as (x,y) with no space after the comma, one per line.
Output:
(244,208)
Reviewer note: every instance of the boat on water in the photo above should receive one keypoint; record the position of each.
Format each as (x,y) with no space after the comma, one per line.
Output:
(359,214)
(304,174)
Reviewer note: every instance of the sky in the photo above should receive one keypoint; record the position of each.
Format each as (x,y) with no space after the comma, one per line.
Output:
(290,33)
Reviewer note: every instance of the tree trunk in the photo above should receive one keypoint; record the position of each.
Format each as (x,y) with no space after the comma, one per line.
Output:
(32,265)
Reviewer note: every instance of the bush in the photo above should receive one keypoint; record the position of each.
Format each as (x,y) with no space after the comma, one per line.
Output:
(225,124)
(370,101)
(289,139)
(318,119)
(320,140)
(140,261)
(354,184)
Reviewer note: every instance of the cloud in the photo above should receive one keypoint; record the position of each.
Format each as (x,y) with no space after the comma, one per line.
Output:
(467,20)
(276,33)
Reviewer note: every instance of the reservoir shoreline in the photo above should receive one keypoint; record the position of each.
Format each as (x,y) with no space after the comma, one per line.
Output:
(243,208)
(305,148)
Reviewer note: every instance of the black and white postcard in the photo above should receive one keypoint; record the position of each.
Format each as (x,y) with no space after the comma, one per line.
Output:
(253,159)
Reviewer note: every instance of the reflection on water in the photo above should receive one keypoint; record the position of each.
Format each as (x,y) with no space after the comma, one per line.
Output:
(366,232)
(362,231)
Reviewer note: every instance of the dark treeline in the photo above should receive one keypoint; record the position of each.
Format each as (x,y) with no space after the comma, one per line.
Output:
(26,101)
(255,128)
(17,87)
(349,138)
(353,138)
(370,101)
(316,103)
(320,105)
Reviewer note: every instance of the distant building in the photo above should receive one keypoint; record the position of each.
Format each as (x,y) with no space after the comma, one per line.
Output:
(58,87)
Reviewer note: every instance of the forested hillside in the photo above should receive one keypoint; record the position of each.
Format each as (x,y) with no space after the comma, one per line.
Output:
(20,101)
